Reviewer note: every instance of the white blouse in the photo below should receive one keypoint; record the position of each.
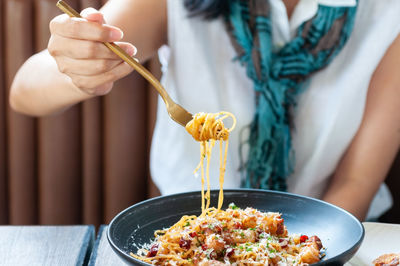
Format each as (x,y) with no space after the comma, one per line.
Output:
(200,75)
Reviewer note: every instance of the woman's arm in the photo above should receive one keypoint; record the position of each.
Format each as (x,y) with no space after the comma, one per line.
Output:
(77,66)
(372,151)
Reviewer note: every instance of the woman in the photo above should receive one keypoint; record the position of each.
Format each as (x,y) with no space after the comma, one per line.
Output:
(318,84)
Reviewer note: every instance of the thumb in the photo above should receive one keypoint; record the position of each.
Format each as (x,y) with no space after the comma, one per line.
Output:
(93,15)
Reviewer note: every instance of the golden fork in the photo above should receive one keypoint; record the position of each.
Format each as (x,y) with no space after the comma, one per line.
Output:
(175,111)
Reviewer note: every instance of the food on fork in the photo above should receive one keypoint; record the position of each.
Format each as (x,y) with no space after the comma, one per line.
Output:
(208,128)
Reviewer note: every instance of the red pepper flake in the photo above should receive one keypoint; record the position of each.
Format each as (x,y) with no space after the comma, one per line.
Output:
(185,243)
(303,238)
(192,234)
(153,251)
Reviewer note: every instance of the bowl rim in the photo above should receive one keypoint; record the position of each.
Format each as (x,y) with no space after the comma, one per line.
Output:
(120,252)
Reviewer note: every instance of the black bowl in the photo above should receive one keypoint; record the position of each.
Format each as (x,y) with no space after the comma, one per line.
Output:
(340,232)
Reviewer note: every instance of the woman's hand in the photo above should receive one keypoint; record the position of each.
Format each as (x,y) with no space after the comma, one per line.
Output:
(76,45)
(40,88)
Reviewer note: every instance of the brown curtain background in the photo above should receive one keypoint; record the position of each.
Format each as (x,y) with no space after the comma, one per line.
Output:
(83,166)
(90,162)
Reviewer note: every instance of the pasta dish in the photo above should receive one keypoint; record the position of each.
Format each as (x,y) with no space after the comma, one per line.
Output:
(233,236)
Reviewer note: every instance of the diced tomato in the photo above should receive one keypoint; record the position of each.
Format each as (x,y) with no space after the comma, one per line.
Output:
(213,255)
(238,225)
(153,251)
(229,252)
(218,229)
(283,242)
(185,243)
(303,238)
(192,234)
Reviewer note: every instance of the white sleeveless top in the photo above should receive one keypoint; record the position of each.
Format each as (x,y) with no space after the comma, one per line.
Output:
(202,77)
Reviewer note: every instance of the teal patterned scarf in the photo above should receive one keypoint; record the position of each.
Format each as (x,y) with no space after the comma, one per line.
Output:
(279,78)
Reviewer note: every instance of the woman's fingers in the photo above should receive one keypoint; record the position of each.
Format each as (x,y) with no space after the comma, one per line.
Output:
(77,46)
(82,49)
(85,67)
(82,29)
(91,67)
(94,15)
(95,85)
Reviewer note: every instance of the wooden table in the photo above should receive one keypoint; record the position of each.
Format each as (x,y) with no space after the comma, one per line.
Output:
(46,245)
(374,233)
(76,245)
(102,253)
(55,245)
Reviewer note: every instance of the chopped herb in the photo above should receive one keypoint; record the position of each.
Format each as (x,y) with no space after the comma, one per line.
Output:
(233,206)
(249,249)
(187,224)
(242,234)
(252,229)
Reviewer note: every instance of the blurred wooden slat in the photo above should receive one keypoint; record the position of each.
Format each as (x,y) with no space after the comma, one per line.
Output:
(21,130)
(60,156)
(90,3)
(92,171)
(92,152)
(152,97)
(125,145)
(3,110)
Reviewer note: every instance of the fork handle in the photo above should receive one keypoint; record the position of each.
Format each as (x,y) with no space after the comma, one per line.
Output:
(124,56)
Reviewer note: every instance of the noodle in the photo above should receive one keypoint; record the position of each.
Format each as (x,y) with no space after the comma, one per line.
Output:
(207,128)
